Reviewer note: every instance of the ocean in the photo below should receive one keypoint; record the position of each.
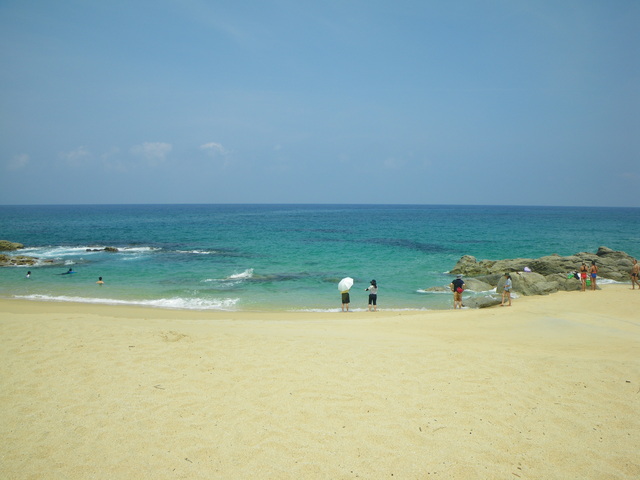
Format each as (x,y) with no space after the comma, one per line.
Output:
(285,257)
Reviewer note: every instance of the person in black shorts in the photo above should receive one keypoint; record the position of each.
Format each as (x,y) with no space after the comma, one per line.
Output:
(373,295)
(345,300)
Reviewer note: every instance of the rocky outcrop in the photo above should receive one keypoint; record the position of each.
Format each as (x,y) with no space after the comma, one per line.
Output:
(7,246)
(537,276)
(611,264)
(21,261)
(482,302)
(529,283)
(477,285)
(14,260)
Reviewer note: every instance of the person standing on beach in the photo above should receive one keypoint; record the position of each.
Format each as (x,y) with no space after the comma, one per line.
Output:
(345,300)
(635,272)
(506,291)
(594,274)
(373,295)
(583,276)
(457,287)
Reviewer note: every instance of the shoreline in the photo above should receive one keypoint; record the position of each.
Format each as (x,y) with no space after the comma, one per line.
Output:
(547,388)
(108,303)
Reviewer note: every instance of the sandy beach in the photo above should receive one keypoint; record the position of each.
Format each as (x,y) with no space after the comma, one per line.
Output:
(546,389)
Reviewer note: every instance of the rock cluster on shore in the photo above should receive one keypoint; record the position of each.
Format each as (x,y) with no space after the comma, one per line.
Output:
(547,274)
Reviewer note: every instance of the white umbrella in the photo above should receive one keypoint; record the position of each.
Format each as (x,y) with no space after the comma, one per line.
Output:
(345,284)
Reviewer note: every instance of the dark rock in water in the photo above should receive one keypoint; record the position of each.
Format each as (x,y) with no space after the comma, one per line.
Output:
(437,289)
(110,249)
(8,246)
(16,261)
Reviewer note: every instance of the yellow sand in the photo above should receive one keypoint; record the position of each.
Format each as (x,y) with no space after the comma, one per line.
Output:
(546,389)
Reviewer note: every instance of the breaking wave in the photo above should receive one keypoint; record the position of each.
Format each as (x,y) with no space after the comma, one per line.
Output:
(176,303)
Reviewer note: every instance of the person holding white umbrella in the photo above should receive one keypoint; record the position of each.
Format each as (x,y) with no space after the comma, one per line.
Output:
(344,286)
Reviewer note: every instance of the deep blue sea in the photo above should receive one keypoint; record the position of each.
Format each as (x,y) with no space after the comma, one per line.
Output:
(285,257)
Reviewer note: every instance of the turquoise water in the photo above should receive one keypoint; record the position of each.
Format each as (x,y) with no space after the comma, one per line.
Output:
(285,257)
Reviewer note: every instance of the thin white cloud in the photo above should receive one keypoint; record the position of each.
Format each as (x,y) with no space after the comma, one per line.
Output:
(213,149)
(217,151)
(76,158)
(153,152)
(18,162)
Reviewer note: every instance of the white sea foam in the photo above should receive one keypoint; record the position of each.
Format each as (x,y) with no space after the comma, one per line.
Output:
(56,252)
(234,279)
(66,251)
(248,273)
(198,252)
(138,249)
(170,303)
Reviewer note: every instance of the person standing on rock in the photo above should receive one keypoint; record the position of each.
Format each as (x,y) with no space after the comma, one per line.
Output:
(506,290)
(583,276)
(635,272)
(594,274)
(457,287)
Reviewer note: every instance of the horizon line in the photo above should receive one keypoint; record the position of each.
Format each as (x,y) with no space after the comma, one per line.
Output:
(308,204)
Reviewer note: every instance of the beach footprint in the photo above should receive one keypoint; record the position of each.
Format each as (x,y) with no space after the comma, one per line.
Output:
(172,336)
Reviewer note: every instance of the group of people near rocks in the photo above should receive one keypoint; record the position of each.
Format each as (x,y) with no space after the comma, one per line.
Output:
(457,287)
(587,275)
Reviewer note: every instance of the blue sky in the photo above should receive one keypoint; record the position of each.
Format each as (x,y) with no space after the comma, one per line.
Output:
(511,102)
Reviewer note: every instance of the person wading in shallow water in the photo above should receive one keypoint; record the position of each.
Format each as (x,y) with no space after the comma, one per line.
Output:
(345,300)
(373,295)
(457,287)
